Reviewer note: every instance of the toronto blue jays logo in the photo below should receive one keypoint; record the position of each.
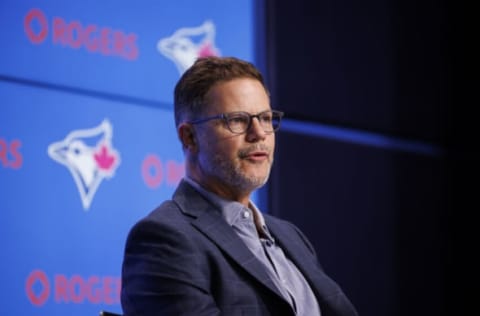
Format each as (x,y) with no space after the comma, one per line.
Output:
(187,44)
(89,156)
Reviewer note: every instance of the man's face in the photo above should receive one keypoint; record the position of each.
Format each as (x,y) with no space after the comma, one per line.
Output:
(232,164)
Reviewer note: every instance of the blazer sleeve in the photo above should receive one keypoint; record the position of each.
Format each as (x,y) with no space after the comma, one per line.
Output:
(163,273)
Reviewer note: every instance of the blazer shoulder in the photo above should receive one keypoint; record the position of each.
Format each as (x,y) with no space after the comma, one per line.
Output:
(166,214)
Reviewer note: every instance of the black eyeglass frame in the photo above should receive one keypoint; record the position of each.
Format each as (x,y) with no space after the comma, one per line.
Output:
(226,116)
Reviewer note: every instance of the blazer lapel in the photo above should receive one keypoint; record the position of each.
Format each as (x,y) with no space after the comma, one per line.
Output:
(320,283)
(207,219)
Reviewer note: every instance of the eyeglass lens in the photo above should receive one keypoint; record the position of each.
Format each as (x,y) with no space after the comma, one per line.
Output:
(239,122)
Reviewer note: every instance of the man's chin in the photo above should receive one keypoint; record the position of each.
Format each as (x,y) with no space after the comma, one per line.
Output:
(257,181)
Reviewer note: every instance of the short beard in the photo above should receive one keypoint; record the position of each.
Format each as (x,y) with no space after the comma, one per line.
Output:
(231,173)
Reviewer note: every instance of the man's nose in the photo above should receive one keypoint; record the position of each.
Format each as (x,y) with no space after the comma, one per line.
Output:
(255,130)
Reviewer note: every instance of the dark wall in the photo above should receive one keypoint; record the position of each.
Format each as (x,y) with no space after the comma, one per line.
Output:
(377,65)
(384,219)
(374,215)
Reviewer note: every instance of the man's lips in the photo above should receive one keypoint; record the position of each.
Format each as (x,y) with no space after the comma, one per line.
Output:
(257,155)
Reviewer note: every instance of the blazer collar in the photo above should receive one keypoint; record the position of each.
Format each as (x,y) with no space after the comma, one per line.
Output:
(322,285)
(292,250)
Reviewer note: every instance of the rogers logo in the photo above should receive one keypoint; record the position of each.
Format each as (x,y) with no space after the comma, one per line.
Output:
(155,172)
(74,289)
(10,155)
(37,297)
(74,34)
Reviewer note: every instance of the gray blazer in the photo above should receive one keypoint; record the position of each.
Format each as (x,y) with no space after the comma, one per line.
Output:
(184,259)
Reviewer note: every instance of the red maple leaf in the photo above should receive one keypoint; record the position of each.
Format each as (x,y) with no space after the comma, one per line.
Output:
(206,50)
(104,159)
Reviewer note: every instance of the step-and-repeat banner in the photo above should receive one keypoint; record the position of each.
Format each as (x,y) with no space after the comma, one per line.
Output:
(87,139)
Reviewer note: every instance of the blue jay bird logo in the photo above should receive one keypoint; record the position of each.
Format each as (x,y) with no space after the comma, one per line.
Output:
(187,44)
(89,156)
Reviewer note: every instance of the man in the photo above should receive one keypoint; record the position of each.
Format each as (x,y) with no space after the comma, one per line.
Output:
(209,250)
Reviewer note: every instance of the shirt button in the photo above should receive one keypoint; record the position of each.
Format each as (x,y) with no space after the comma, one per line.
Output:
(246,214)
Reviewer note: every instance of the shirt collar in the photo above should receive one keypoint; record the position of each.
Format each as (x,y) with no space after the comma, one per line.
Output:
(231,210)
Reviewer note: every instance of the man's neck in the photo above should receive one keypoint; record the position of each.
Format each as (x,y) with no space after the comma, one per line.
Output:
(223,191)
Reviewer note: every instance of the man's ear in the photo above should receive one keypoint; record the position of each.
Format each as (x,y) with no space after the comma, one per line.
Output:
(187,136)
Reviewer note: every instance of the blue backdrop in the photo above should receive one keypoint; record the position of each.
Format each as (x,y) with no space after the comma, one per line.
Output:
(87,139)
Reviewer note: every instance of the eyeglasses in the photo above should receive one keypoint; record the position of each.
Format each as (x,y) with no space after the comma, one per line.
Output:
(240,122)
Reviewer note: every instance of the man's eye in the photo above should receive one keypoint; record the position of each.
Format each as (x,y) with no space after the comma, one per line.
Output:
(266,118)
(238,120)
